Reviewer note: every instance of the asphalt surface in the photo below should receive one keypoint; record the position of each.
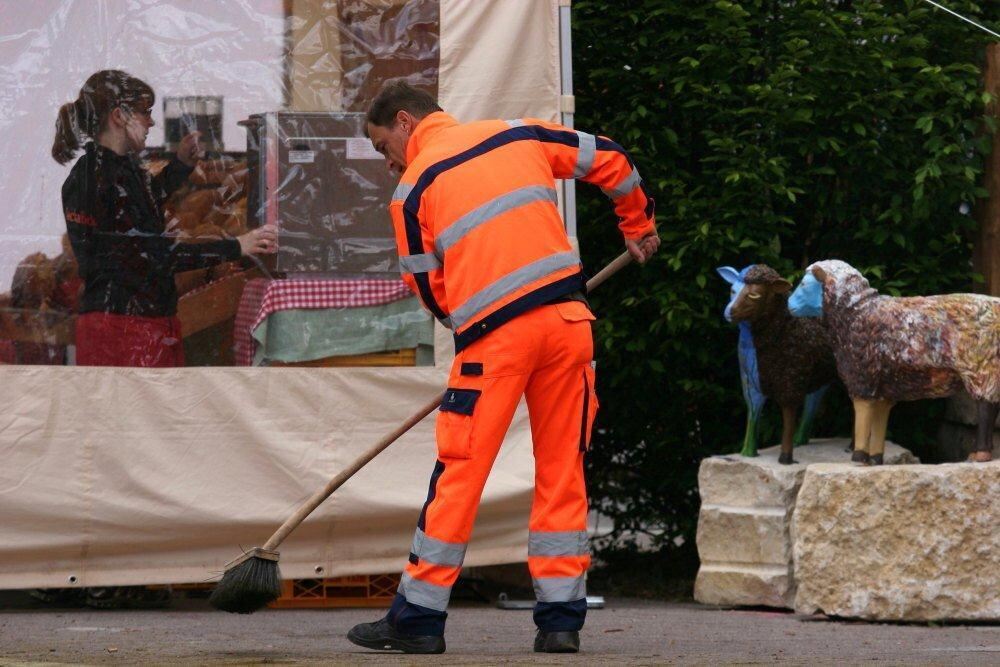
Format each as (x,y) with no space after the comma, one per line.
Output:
(626,631)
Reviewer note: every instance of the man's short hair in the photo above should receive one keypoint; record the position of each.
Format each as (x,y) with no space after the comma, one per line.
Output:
(398,96)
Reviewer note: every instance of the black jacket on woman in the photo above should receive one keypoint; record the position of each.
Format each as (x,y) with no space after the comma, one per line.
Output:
(114,218)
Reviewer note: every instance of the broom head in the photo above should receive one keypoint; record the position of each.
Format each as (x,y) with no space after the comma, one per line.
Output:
(249,583)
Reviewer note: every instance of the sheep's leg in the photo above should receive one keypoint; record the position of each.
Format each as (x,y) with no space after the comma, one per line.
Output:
(880,422)
(752,435)
(809,410)
(986,417)
(788,413)
(862,429)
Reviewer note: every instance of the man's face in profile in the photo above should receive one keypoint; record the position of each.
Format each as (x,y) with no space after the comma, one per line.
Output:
(392,141)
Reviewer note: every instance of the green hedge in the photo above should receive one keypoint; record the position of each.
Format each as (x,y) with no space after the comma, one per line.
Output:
(782,132)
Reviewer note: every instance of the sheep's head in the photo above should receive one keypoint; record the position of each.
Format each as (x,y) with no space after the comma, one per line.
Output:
(756,291)
(843,281)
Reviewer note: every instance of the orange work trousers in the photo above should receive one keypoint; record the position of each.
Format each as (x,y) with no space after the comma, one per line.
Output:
(546,356)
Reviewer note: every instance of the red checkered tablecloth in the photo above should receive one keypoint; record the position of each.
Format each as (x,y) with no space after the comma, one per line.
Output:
(262,297)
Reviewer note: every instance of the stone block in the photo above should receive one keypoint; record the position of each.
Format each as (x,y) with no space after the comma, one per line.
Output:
(744,539)
(899,543)
(746,585)
(743,535)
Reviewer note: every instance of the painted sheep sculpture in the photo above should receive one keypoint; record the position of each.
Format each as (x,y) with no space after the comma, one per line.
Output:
(891,349)
(786,359)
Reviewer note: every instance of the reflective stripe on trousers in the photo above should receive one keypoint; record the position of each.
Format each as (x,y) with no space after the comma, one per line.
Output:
(557,561)
(560,589)
(423,593)
(436,551)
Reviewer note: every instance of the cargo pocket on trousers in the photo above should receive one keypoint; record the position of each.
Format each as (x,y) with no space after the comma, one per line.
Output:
(575,311)
(454,423)
(590,405)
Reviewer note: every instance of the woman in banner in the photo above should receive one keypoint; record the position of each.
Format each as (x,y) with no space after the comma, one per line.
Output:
(114,217)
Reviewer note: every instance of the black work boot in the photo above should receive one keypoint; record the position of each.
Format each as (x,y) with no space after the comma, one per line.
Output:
(383,637)
(567,641)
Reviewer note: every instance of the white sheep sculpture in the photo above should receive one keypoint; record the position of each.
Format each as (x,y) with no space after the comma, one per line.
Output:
(891,349)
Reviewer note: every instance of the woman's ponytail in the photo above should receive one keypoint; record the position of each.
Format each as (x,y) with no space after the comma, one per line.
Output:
(67,140)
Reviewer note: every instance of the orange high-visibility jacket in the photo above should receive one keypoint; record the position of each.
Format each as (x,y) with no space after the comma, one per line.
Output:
(479,235)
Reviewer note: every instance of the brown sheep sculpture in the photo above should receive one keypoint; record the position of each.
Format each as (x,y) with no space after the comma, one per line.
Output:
(891,349)
(791,358)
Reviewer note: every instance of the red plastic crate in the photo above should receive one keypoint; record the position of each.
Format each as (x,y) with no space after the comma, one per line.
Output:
(363,590)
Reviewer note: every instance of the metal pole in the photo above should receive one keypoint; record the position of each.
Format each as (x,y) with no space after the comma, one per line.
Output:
(566,92)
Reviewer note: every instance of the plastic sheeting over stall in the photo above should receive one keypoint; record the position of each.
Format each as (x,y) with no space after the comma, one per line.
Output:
(278,90)
(118,476)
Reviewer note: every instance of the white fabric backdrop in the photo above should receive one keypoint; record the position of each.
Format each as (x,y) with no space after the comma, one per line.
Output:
(128,476)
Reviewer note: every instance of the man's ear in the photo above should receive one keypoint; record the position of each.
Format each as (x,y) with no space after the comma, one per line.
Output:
(406,120)
(819,274)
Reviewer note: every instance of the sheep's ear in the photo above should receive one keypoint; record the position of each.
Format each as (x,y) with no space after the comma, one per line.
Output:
(819,274)
(781,286)
(729,274)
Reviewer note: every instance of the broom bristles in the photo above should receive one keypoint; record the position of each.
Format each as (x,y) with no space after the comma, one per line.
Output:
(248,586)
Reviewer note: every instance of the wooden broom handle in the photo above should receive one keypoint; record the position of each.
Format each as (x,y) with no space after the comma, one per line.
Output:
(317,498)
(616,265)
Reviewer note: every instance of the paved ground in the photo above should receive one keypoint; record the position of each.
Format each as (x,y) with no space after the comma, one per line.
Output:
(626,631)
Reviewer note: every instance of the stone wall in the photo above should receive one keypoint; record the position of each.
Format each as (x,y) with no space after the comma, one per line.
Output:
(744,539)
(899,543)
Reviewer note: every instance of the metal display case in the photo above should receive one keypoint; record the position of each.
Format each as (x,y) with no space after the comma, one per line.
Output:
(317,177)
(199,113)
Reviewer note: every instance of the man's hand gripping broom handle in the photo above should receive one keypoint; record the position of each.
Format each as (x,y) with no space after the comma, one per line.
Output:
(317,498)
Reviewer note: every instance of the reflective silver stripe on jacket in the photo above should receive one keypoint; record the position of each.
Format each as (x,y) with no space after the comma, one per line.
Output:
(424,594)
(559,589)
(515,122)
(437,551)
(510,283)
(585,155)
(402,191)
(628,184)
(490,210)
(419,263)
(561,543)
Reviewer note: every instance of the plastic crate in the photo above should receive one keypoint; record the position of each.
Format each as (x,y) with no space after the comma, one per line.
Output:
(364,590)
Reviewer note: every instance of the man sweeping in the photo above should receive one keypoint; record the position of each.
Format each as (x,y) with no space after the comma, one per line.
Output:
(481,242)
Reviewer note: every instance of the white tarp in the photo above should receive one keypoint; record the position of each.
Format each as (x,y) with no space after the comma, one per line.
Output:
(129,476)
(126,476)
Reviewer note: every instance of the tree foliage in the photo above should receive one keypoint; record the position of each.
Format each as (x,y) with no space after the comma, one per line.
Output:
(775,131)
